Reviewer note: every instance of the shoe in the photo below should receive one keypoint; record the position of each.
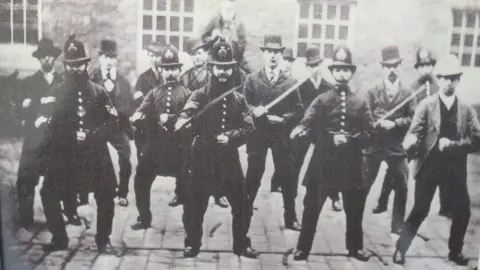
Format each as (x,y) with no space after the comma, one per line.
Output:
(222,202)
(175,202)
(123,201)
(360,255)
(379,209)
(294,226)
(140,225)
(398,257)
(276,189)
(74,220)
(458,258)
(248,252)
(107,249)
(55,246)
(190,252)
(300,255)
(337,206)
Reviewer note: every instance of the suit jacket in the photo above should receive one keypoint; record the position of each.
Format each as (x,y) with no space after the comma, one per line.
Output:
(421,82)
(425,130)
(146,82)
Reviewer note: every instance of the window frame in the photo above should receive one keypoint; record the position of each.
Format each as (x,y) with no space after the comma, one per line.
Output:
(324,22)
(462,31)
(39,24)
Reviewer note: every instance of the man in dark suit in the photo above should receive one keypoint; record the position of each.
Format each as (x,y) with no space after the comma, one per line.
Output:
(444,130)
(78,118)
(214,160)
(273,127)
(383,97)
(164,153)
(120,94)
(146,81)
(32,160)
(341,123)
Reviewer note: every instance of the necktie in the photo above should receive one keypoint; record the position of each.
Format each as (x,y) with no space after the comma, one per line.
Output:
(272,77)
(427,86)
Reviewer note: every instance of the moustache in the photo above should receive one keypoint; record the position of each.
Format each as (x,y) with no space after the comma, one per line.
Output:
(171,79)
(47,67)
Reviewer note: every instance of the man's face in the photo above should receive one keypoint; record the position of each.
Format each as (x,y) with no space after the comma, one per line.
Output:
(272,58)
(170,74)
(448,84)
(47,62)
(227,9)
(199,57)
(153,59)
(222,73)
(342,75)
(108,61)
(314,69)
(391,71)
(425,70)
(76,69)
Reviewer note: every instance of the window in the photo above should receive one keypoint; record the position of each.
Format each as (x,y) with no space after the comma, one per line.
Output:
(167,21)
(465,42)
(325,23)
(19,22)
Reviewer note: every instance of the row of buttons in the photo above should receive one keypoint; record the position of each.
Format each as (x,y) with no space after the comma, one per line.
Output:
(169,98)
(224,114)
(344,111)
(80,111)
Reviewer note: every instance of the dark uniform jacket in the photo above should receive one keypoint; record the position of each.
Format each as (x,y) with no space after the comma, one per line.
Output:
(34,87)
(146,82)
(335,165)
(390,142)
(259,92)
(194,79)
(89,160)
(210,161)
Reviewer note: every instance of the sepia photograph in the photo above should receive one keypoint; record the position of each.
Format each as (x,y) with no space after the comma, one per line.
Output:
(239,134)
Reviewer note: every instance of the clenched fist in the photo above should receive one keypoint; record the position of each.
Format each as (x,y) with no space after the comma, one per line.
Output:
(339,139)
(26,103)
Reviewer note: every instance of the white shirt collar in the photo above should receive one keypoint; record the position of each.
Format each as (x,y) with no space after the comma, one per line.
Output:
(447,100)
(275,71)
(316,82)
(113,73)
(48,76)
(392,86)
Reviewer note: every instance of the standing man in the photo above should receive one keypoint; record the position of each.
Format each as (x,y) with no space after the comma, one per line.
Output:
(120,94)
(32,160)
(78,118)
(445,130)
(273,127)
(342,122)
(148,80)
(308,91)
(214,159)
(226,24)
(197,77)
(288,59)
(164,151)
(383,97)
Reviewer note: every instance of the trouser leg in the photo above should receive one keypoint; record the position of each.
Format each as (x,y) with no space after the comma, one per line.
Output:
(143,181)
(194,208)
(387,188)
(51,194)
(256,167)
(26,193)
(460,212)
(105,213)
(121,143)
(399,173)
(354,204)
(371,164)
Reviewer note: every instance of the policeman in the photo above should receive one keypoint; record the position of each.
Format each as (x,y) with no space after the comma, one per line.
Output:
(31,160)
(214,159)
(343,123)
(148,80)
(163,154)
(78,117)
(120,94)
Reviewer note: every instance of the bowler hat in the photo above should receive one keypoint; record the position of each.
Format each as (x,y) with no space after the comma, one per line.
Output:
(342,58)
(193,44)
(74,51)
(288,54)
(169,57)
(45,47)
(222,53)
(272,42)
(448,66)
(108,47)
(155,48)
(312,55)
(425,57)
(390,55)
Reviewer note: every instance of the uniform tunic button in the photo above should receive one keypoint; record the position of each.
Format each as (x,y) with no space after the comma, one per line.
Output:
(344,110)
(342,130)
(344,98)
(342,123)
(224,99)
(343,116)
(224,113)
(168,110)
(169,88)
(168,104)
(223,120)
(223,126)
(224,105)
(80,100)
(169,98)
(342,93)
(169,93)
(343,104)
(79,93)
(80,122)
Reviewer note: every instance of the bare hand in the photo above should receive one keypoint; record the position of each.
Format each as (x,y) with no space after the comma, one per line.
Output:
(163,118)
(444,143)
(409,141)
(181,122)
(222,139)
(137,95)
(386,124)
(259,111)
(339,139)
(26,103)
(274,119)
(40,121)
(81,136)
(136,116)
(297,132)
(46,100)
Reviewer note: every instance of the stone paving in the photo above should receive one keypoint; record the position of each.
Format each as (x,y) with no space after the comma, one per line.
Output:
(160,247)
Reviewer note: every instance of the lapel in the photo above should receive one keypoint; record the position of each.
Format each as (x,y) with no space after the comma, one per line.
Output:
(461,117)
(436,113)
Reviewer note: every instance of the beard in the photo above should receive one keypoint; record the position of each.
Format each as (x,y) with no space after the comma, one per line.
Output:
(76,80)
(171,79)
(222,79)
(392,76)
(47,67)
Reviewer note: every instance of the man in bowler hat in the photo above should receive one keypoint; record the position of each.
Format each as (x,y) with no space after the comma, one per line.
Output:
(273,127)
(32,160)
(120,94)
(288,59)
(77,118)
(342,124)
(382,97)
(444,130)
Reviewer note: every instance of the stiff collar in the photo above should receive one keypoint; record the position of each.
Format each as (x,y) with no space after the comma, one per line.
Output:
(447,100)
